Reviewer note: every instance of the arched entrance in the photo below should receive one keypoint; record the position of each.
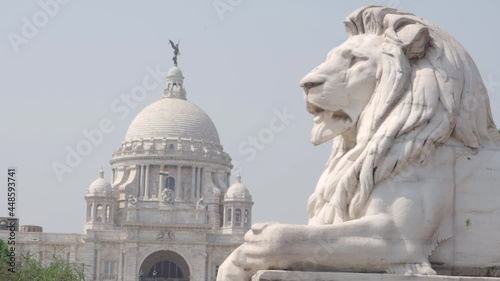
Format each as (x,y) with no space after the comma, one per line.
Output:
(164,266)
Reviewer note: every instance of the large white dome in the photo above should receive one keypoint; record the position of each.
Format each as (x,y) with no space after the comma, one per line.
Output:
(173,118)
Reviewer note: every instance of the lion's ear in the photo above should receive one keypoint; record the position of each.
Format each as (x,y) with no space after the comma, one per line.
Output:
(414,40)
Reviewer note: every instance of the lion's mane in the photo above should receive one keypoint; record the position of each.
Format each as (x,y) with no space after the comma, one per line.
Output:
(418,104)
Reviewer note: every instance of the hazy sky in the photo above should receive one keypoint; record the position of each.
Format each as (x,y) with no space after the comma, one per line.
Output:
(61,75)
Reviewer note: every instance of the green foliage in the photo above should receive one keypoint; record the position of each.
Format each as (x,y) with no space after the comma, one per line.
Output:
(4,266)
(4,251)
(31,269)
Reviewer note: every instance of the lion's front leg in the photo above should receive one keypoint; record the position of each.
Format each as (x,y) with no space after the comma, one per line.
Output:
(371,243)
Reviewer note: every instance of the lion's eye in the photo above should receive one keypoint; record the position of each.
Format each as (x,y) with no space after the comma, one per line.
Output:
(355,60)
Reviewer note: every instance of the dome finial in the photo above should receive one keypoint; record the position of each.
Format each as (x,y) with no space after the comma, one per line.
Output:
(101,173)
(175,80)
(238,178)
(176,50)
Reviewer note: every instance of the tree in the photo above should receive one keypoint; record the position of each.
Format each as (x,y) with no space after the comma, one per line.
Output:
(4,252)
(4,259)
(32,269)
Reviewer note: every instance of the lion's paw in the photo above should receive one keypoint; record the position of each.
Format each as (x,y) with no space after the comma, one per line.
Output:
(423,268)
(266,239)
(259,227)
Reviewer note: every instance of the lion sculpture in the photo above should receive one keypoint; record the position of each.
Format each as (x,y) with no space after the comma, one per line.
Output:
(403,102)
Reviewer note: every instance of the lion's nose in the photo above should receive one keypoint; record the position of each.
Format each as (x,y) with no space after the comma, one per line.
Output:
(309,85)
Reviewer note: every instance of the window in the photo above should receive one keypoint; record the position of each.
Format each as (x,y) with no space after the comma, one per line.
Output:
(216,271)
(228,215)
(166,269)
(109,270)
(108,213)
(99,213)
(89,212)
(171,147)
(246,217)
(237,217)
(171,183)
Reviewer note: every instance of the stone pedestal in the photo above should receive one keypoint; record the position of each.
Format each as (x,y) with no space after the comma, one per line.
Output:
(132,213)
(280,275)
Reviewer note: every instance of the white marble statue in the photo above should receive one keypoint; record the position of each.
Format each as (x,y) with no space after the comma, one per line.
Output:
(132,200)
(167,196)
(200,204)
(407,109)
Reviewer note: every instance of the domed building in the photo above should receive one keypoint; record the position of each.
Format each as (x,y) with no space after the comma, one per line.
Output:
(167,211)
(162,214)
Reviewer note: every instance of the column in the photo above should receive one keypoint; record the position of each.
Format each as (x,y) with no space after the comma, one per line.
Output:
(92,215)
(199,182)
(249,216)
(178,183)
(232,216)
(193,181)
(141,182)
(112,213)
(119,270)
(130,261)
(98,263)
(94,211)
(208,267)
(161,181)
(224,216)
(146,184)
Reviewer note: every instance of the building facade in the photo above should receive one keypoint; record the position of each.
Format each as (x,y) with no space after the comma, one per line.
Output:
(168,211)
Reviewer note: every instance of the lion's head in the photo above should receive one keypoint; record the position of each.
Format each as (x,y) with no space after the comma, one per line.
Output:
(394,90)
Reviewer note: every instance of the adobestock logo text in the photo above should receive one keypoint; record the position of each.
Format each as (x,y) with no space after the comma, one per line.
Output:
(121,108)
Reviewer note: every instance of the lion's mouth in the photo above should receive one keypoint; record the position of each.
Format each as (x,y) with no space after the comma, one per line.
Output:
(341,115)
(319,114)
(314,110)
(328,124)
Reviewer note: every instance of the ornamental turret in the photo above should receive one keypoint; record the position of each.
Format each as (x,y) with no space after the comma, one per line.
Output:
(175,84)
(100,204)
(237,208)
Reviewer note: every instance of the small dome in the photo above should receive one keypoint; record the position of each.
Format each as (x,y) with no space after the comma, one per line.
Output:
(174,71)
(238,190)
(100,187)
